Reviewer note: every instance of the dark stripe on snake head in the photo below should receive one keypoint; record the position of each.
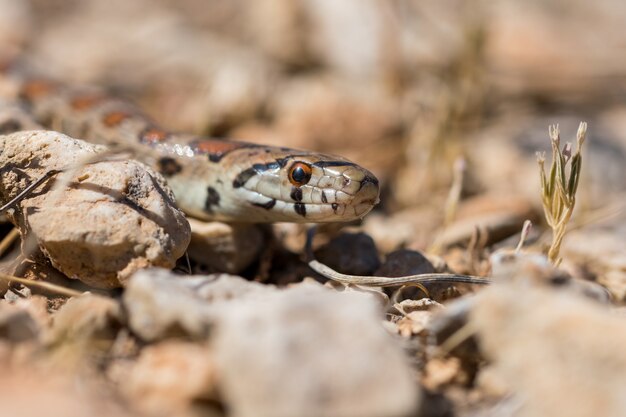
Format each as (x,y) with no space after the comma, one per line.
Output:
(324,198)
(324,164)
(212,199)
(282,161)
(243,177)
(335,206)
(168,166)
(267,206)
(296,194)
(300,208)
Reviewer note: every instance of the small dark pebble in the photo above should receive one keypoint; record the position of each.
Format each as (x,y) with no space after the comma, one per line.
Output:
(350,253)
(405,262)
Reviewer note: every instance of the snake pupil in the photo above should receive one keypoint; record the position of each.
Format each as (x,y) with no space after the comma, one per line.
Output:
(299,174)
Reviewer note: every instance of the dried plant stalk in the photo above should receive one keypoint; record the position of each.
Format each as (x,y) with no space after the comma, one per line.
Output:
(558,188)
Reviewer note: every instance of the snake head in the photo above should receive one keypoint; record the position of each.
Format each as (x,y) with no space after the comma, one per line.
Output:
(267,184)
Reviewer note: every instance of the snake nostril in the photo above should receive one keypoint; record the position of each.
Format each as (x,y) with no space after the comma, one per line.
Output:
(369,179)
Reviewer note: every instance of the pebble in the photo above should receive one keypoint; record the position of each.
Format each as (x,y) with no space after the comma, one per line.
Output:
(554,345)
(228,248)
(405,262)
(350,253)
(169,378)
(87,318)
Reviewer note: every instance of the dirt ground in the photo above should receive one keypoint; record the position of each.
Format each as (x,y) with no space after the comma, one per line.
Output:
(449,104)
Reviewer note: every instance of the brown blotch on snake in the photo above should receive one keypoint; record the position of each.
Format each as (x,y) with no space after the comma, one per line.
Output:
(153,135)
(216,149)
(34,89)
(115,118)
(86,101)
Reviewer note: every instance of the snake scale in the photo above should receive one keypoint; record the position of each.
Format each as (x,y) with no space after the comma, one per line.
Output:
(212,179)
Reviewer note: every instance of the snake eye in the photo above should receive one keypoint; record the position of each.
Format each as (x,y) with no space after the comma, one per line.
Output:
(299,174)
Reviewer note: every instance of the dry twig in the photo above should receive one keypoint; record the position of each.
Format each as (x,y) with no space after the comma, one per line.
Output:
(373,281)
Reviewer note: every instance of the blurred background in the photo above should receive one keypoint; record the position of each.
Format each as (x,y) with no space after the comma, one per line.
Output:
(447,102)
(403,87)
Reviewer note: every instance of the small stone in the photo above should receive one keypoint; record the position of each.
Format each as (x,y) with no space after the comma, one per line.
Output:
(17,324)
(228,248)
(350,253)
(88,317)
(168,377)
(405,262)
(560,354)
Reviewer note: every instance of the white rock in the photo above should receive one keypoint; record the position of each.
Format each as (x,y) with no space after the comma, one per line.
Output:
(114,218)
(308,351)
(560,354)
(161,304)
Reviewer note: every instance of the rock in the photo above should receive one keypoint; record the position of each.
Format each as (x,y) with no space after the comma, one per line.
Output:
(228,248)
(561,355)
(161,304)
(350,253)
(168,377)
(87,318)
(307,351)
(405,262)
(115,218)
(17,324)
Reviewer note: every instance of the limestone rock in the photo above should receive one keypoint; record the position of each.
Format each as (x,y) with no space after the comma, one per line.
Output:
(161,304)
(308,351)
(114,217)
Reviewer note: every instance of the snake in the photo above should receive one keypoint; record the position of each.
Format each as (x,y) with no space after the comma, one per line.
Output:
(211,178)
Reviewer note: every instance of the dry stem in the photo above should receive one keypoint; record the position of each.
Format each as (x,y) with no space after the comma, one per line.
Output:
(558,188)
